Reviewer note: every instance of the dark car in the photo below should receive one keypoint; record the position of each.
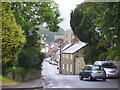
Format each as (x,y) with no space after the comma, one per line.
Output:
(93,72)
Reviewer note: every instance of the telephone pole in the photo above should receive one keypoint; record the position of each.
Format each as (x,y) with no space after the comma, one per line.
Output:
(60,70)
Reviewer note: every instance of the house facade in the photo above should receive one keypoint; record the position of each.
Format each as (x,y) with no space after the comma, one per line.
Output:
(57,54)
(72,60)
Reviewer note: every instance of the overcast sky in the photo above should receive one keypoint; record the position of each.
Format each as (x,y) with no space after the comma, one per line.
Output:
(65,8)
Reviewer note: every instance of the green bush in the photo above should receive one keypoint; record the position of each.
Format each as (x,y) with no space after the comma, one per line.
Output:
(17,71)
(30,57)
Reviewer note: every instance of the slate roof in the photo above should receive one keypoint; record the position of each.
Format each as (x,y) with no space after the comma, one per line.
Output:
(75,47)
(64,48)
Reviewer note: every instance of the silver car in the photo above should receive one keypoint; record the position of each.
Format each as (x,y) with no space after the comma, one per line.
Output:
(110,68)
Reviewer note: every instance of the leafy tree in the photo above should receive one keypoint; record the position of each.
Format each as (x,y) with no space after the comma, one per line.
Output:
(31,57)
(29,15)
(84,28)
(109,29)
(32,39)
(92,24)
(12,37)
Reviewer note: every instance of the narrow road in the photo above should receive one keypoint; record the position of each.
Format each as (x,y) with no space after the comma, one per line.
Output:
(53,79)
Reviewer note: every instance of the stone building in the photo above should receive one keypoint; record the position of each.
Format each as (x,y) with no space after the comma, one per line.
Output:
(57,54)
(72,60)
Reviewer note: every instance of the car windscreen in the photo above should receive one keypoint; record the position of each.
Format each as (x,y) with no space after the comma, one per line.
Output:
(109,65)
(97,68)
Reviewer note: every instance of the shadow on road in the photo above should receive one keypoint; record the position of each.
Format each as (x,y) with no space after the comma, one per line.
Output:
(97,80)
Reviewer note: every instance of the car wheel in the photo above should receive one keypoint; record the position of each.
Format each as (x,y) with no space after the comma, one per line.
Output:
(80,76)
(89,78)
(104,79)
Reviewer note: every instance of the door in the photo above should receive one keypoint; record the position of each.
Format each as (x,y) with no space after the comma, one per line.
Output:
(86,71)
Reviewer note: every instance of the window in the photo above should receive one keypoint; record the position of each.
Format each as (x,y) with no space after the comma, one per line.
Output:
(63,66)
(67,67)
(71,56)
(97,68)
(63,55)
(87,68)
(109,65)
(67,56)
(70,67)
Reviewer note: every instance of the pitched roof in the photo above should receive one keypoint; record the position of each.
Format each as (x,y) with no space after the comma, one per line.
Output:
(75,47)
(64,48)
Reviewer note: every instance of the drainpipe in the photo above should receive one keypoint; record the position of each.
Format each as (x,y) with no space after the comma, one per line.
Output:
(74,63)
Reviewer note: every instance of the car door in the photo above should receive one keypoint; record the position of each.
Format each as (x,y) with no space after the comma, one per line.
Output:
(83,72)
(86,71)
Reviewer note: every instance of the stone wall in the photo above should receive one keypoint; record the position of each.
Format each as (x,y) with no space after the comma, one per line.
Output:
(72,63)
(80,64)
(67,64)
(33,74)
(15,76)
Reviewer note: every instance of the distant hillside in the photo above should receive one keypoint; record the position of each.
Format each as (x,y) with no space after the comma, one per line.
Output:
(51,36)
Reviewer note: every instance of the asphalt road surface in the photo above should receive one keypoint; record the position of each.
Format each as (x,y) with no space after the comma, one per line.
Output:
(53,79)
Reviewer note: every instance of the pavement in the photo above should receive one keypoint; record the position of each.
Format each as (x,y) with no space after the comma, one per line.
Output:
(36,84)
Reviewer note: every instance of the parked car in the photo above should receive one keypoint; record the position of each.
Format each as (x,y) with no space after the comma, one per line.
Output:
(110,68)
(93,72)
(48,59)
(53,62)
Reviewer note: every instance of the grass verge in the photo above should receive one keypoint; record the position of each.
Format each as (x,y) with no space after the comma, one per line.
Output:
(6,81)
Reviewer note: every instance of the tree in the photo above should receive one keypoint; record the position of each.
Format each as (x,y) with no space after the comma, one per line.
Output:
(95,27)
(109,29)
(12,37)
(29,15)
(83,26)
(31,57)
